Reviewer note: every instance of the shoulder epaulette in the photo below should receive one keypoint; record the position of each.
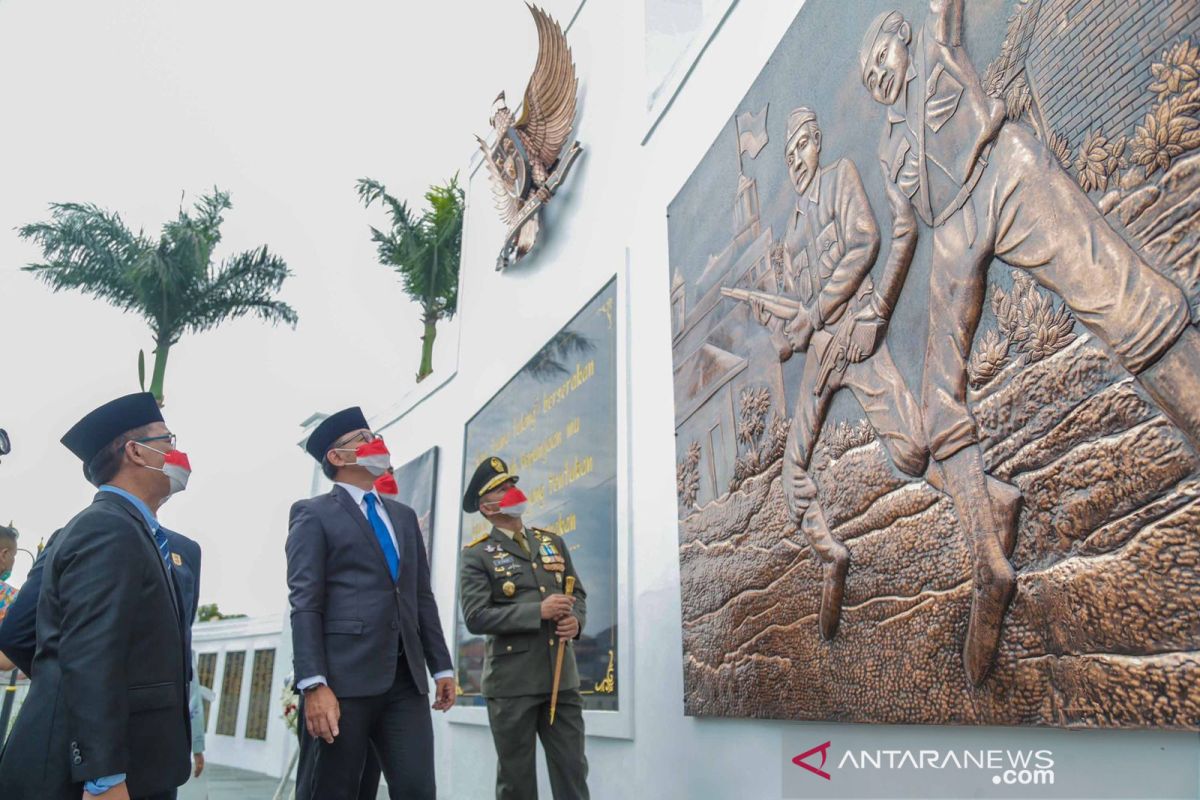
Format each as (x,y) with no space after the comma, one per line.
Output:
(481,537)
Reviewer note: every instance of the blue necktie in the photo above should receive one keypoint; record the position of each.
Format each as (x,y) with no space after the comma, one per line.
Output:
(164,549)
(385,538)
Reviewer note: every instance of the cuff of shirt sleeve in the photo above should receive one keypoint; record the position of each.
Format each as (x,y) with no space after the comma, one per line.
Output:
(102,785)
(309,682)
(446,673)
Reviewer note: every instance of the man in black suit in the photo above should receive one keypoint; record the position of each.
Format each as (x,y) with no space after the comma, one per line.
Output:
(18,631)
(107,715)
(365,625)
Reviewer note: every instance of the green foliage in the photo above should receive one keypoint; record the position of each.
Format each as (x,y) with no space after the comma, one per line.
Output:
(424,251)
(210,613)
(170,282)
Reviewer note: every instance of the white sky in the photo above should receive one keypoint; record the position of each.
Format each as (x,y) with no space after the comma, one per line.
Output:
(285,104)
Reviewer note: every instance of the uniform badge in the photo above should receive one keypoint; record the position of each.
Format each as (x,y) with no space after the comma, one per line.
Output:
(176,560)
(498,465)
(509,588)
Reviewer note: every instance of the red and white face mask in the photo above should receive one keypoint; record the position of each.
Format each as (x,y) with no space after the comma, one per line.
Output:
(373,456)
(386,485)
(175,466)
(513,503)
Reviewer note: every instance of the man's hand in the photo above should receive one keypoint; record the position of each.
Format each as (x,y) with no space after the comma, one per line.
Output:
(321,713)
(557,606)
(869,328)
(198,758)
(118,792)
(444,694)
(761,314)
(568,627)
(799,331)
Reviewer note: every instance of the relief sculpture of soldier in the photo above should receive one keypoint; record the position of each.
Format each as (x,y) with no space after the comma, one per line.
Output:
(833,312)
(990,189)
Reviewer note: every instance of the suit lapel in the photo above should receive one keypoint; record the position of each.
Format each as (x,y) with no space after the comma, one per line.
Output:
(360,519)
(148,538)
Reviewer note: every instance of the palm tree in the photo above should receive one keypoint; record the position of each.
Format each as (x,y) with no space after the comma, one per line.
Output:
(424,251)
(172,283)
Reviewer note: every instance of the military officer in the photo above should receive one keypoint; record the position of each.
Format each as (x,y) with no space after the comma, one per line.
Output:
(988,188)
(512,590)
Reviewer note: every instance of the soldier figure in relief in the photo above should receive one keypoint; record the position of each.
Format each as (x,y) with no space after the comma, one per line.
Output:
(989,188)
(830,245)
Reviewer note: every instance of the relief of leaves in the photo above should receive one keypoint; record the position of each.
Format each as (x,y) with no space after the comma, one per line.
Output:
(1004,308)
(844,437)
(1179,71)
(1169,130)
(1041,329)
(1051,331)
(687,479)
(987,359)
(1098,160)
(772,447)
(1017,98)
(755,403)
(1061,149)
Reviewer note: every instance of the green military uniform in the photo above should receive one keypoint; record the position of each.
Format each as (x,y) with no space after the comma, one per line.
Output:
(501,587)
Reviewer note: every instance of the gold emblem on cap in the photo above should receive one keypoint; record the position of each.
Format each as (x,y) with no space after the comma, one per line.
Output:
(497,464)
(176,560)
(510,588)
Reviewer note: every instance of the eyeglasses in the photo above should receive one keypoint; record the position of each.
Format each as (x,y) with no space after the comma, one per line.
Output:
(366,436)
(168,438)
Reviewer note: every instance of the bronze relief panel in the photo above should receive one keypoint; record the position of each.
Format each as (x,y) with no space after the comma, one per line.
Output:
(937,377)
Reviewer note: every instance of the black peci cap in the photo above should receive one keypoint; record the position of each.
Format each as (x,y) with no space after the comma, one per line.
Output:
(333,428)
(100,427)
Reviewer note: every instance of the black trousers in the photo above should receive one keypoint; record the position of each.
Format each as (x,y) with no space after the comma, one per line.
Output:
(396,726)
(368,785)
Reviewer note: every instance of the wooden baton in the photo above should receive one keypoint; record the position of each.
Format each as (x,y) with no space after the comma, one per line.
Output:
(562,648)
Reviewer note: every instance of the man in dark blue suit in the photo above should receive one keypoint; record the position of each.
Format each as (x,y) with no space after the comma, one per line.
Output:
(365,625)
(108,712)
(18,631)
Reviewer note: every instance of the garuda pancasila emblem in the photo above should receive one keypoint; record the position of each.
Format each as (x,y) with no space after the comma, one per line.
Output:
(526,161)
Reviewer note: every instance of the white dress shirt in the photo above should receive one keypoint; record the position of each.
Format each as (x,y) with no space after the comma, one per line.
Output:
(358,495)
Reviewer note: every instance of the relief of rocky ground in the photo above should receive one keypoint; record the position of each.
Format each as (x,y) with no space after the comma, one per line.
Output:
(1105,628)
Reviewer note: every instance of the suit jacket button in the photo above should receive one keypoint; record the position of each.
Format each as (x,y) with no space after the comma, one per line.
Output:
(552,643)
(395,625)
(509,648)
(77,761)
(543,588)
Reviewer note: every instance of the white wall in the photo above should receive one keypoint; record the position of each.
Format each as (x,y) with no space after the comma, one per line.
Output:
(612,209)
(247,635)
